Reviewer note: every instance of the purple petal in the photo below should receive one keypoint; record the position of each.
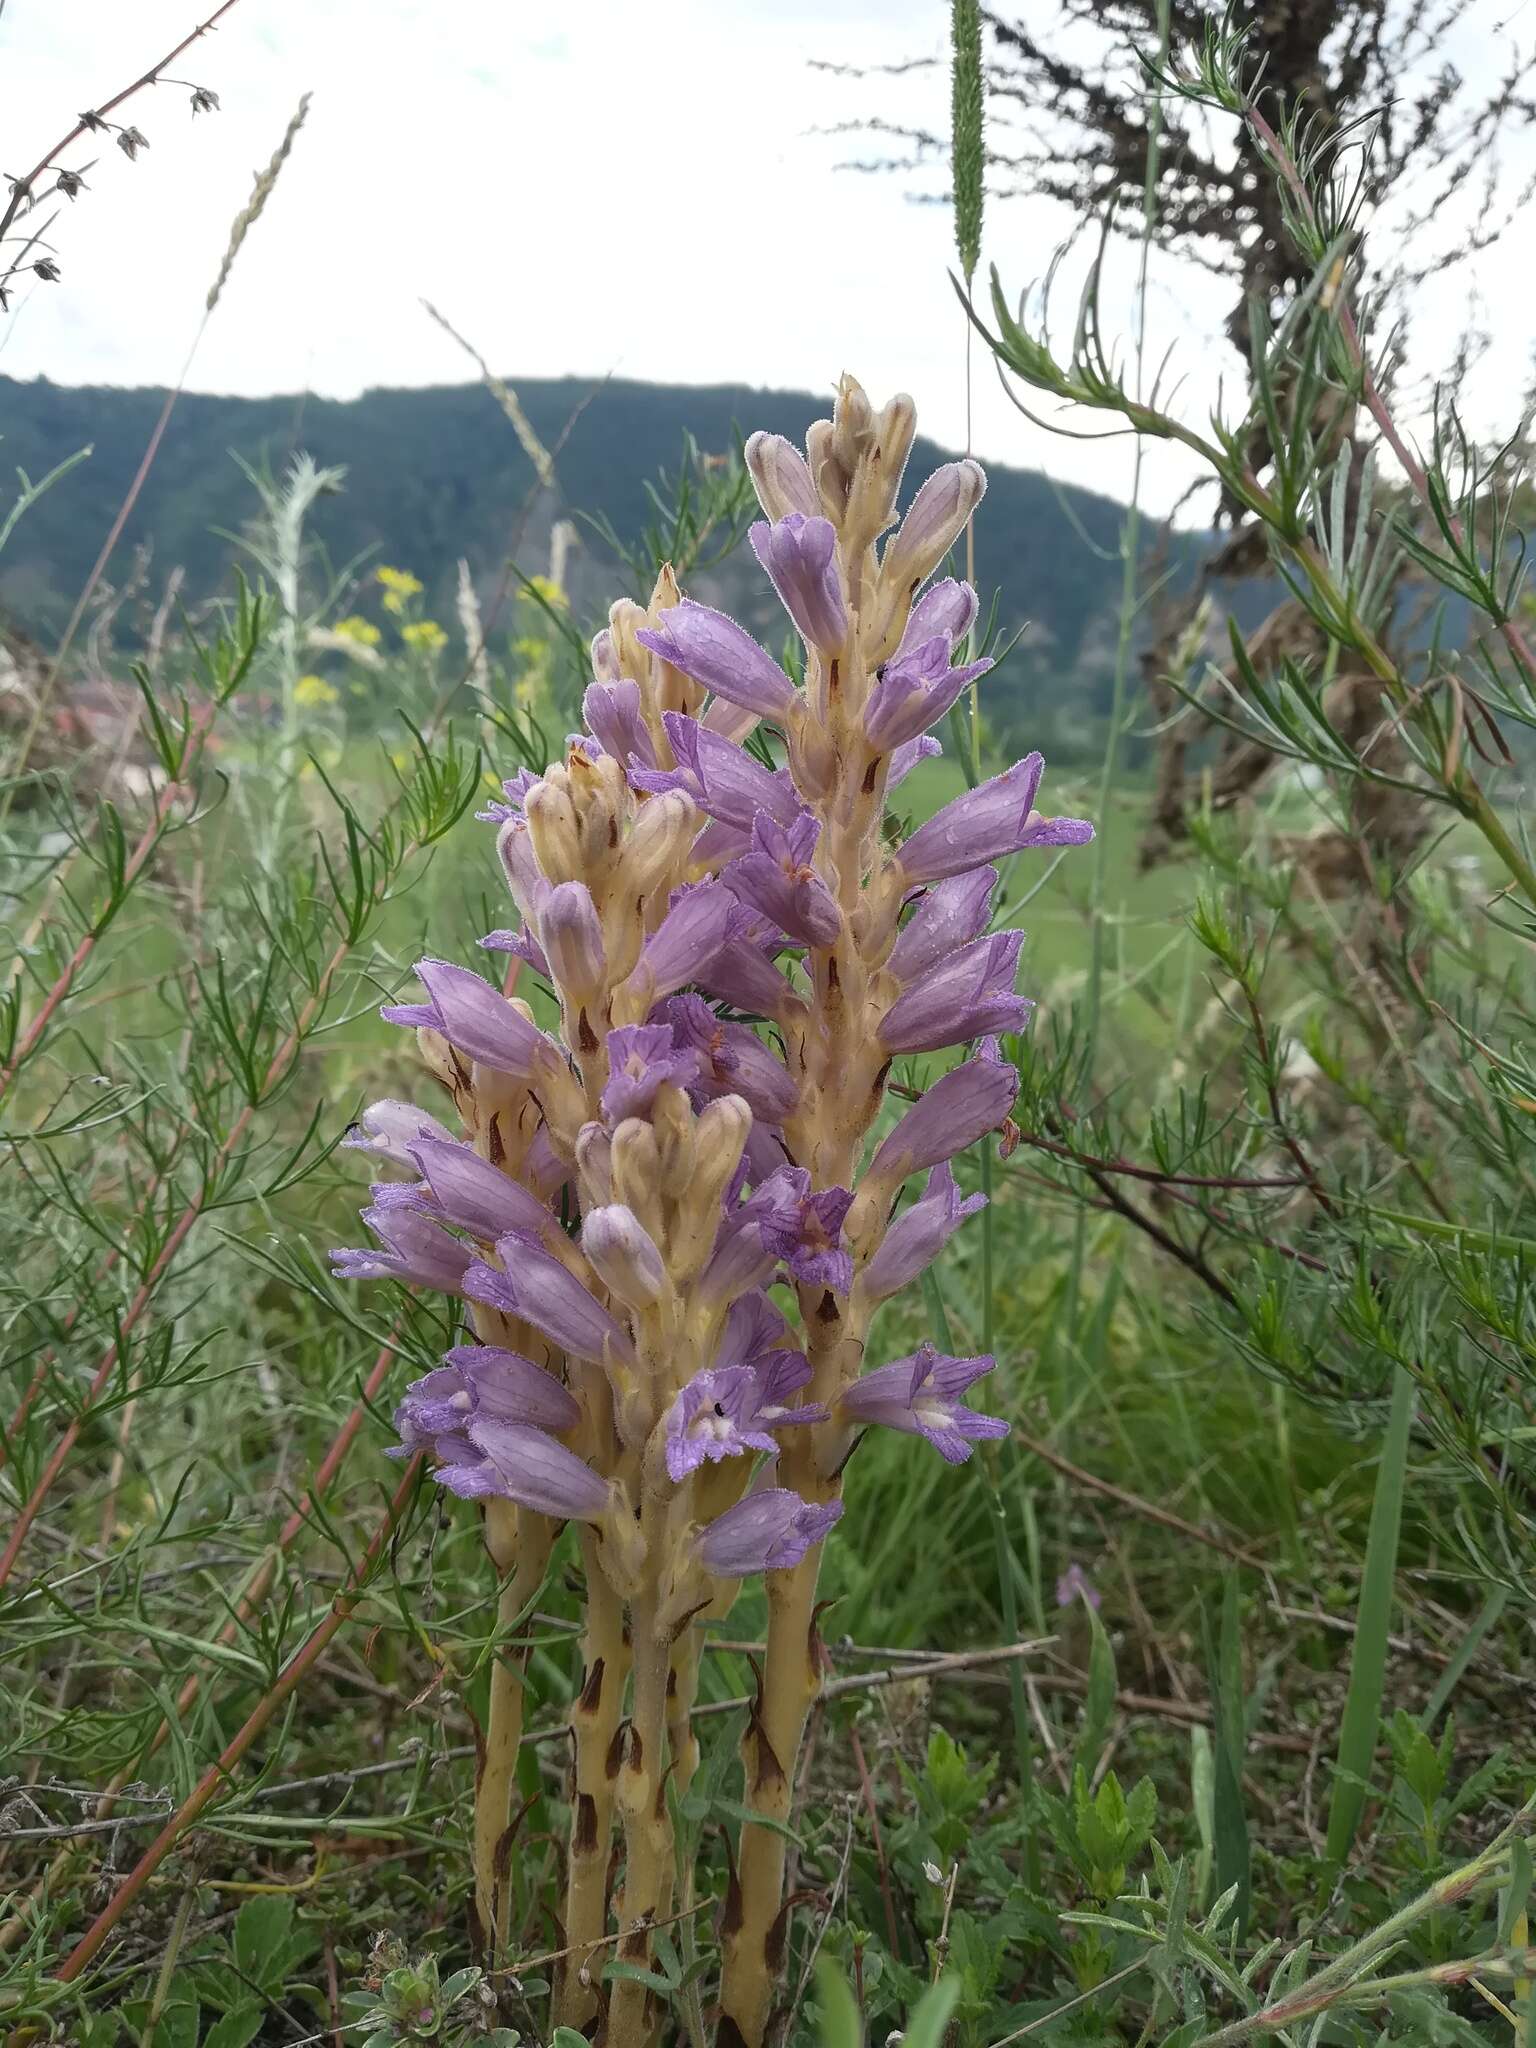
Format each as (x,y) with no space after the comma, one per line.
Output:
(769,1530)
(721,655)
(962,997)
(996,818)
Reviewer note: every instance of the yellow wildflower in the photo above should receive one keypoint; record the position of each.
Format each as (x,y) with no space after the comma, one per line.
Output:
(310,690)
(399,579)
(426,634)
(399,585)
(551,592)
(362,632)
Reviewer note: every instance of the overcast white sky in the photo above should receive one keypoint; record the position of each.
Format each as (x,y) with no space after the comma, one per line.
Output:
(633,187)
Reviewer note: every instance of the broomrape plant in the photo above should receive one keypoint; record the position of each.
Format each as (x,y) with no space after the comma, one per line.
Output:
(666,1223)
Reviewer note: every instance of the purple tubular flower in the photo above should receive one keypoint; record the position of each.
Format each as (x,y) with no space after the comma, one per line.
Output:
(948,608)
(623,1254)
(534,1286)
(995,818)
(522,945)
(947,917)
(800,556)
(721,655)
(530,890)
(921,1395)
(961,997)
(481,1379)
(919,1234)
(695,928)
(806,1230)
(724,781)
(387,1128)
(934,520)
(781,476)
(906,758)
(768,1531)
(612,710)
(468,1191)
(1074,1584)
(729,1410)
(515,788)
(529,1467)
(777,878)
(416,1250)
(641,1059)
(742,971)
(960,1107)
(732,1059)
(573,940)
(914,691)
(475,1019)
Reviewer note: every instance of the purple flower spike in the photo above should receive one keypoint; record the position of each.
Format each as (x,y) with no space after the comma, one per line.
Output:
(767,1532)
(949,916)
(969,993)
(612,710)
(529,1467)
(948,608)
(387,1128)
(777,878)
(806,1230)
(921,1395)
(534,1286)
(800,556)
(468,1191)
(415,1250)
(721,655)
(732,1059)
(729,1410)
(476,1019)
(914,691)
(919,1234)
(995,818)
(960,1107)
(688,938)
(641,1059)
(725,782)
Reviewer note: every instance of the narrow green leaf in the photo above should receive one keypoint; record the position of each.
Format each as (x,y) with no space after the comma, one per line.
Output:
(931,2016)
(1368,1663)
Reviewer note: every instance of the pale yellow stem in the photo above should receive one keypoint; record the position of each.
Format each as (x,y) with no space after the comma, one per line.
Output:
(595,1722)
(518,1542)
(648,1874)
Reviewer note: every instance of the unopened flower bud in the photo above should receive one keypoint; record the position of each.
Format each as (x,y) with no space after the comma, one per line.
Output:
(635,1164)
(573,942)
(605,662)
(553,826)
(594,1160)
(624,1255)
(781,477)
(934,521)
(657,848)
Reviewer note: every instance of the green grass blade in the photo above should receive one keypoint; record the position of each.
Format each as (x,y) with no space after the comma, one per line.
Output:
(1229,1820)
(1368,1664)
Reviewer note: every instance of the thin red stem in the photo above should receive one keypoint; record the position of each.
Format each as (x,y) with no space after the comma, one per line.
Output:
(148,841)
(217,1775)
